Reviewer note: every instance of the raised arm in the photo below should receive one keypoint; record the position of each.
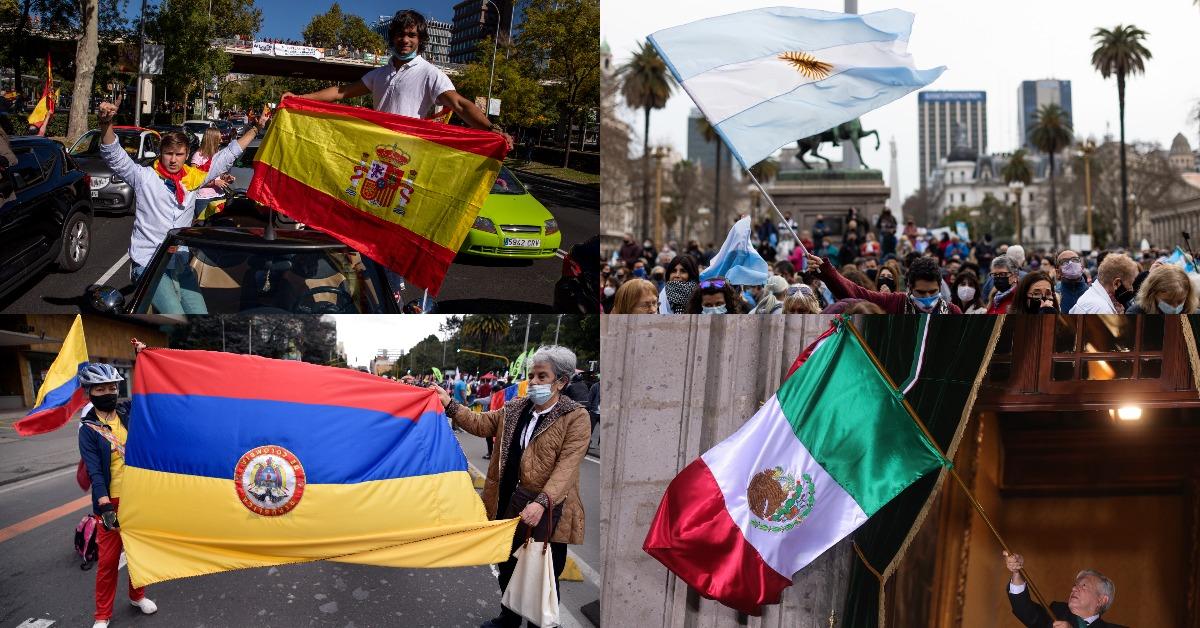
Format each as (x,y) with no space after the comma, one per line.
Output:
(110,149)
(337,92)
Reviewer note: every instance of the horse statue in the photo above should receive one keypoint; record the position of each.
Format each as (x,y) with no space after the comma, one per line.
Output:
(851,131)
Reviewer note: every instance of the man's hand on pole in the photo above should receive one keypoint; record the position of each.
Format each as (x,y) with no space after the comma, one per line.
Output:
(1015,563)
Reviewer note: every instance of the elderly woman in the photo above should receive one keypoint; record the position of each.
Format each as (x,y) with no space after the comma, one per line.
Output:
(541,441)
(1167,290)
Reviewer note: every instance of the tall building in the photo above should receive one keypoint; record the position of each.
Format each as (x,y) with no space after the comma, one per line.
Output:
(700,150)
(437,48)
(939,116)
(895,203)
(1033,95)
(474,21)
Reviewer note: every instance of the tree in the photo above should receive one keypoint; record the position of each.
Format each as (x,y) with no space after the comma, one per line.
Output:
(485,327)
(710,135)
(646,85)
(689,188)
(1017,169)
(314,340)
(552,31)
(990,216)
(514,84)
(85,68)
(335,28)
(1120,52)
(1051,133)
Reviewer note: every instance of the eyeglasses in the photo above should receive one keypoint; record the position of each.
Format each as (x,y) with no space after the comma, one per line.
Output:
(1068,260)
(712,283)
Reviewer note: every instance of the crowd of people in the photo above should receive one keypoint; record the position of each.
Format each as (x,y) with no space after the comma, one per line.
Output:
(892,270)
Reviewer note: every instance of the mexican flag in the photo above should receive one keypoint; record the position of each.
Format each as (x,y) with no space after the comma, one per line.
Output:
(827,451)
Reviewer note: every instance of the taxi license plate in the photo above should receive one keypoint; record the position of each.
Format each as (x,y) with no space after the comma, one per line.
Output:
(95,194)
(522,242)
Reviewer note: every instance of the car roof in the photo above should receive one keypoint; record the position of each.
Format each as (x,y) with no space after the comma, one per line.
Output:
(18,140)
(117,127)
(252,238)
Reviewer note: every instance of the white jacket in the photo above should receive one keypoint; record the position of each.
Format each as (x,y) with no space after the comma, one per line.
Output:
(157,210)
(1094,301)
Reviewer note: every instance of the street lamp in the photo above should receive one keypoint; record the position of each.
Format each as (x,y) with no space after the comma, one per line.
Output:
(1085,152)
(1017,187)
(495,42)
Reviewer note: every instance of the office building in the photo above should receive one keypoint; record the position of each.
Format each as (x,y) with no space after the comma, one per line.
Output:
(475,21)
(939,116)
(1032,96)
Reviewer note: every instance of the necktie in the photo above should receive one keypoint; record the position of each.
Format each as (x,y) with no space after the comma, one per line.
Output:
(1081,622)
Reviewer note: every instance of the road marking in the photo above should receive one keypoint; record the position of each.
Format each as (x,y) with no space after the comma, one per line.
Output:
(592,459)
(113,270)
(36,623)
(36,480)
(44,518)
(589,574)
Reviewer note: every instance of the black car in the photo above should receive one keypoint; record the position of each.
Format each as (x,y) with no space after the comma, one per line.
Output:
(579,288)
(234,269)
(46,211)
(109,191)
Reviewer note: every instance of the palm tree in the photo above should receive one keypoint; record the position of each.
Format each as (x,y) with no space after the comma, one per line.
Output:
(645,84)
(485,327)
(1051,133)
(710,135)
(1120,51)
(1017,169)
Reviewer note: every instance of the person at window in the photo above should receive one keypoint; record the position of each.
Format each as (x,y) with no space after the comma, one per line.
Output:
(1091,596)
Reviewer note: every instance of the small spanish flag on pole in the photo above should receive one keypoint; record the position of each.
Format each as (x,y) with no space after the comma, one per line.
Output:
(40,117)
(403,191)
(60,396)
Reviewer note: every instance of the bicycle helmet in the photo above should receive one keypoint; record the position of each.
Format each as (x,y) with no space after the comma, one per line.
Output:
(96,373)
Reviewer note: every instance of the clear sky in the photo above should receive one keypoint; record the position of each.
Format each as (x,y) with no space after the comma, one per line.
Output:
(363,335)
(990,46)
(285,19)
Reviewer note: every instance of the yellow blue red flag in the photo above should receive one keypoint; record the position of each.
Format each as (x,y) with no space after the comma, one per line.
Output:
(60,395)
(238,461)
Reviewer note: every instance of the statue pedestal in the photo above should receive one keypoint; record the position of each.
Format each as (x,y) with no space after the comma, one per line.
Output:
(830,193)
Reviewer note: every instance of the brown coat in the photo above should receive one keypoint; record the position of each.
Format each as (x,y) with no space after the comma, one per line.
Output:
(550,463)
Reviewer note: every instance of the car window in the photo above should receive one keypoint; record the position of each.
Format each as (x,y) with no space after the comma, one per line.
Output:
(151,142)
(225,280)
(86,144)
(246,159)
(195,127)
(506,183)
(89,144)
(28,169)
(48,158)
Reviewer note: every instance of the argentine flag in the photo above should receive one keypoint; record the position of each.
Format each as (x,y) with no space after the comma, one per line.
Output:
(737,261)
(768,77)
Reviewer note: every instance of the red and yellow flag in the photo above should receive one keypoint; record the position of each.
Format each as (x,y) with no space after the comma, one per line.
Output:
(402,191)
(40,117)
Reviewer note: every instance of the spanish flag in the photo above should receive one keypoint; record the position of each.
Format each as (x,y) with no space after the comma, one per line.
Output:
(40,117)
(238,461)
(60,396)
(401,190)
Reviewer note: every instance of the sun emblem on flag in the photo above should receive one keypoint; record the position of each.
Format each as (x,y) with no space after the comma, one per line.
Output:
(807,64)
(269,480)
(779,500)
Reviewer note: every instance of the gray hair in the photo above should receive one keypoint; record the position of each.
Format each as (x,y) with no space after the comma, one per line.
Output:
(561,360)
(1107,588)
(1005,262)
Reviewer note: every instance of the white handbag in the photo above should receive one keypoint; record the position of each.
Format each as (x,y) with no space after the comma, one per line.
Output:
(531,591)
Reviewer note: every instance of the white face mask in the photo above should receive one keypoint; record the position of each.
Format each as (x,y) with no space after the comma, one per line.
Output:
(715,309)
(966,294)
(609,291)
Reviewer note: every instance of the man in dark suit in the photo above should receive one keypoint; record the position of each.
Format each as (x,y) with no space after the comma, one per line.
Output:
(1090,597)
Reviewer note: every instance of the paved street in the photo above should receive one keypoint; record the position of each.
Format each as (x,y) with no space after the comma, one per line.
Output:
(42,579)
(473,284)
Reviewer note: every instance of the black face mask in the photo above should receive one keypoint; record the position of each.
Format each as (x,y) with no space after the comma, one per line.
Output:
(104,403)
(1034,305)
(1002,284)
(872,273)
(889,282)
(1123,294)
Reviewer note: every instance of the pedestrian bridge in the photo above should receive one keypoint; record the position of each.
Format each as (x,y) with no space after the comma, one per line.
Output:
(325,64)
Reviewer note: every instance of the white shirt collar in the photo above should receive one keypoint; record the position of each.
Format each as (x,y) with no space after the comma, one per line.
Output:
(1091,619)
(539,414)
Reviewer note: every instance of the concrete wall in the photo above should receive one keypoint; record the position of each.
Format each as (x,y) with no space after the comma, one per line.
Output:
(676,386)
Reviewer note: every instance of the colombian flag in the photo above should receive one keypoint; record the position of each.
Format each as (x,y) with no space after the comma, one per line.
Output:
(40,117)
(401,190)
(60,395)
(238,461)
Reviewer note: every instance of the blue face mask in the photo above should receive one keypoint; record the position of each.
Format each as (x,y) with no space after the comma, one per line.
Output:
(540,393)
(404,58)
(716,309)
(926,303)
(639,273)
(1165,308)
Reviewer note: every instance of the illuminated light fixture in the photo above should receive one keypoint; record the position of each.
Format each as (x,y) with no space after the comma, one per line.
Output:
(1126,413)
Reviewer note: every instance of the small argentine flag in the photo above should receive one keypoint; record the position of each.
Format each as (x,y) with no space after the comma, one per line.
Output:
(768,77)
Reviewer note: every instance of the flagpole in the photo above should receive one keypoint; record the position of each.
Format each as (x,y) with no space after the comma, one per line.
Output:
(782,219)
(949,467)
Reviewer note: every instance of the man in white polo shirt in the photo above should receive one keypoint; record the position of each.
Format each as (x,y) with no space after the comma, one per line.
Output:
(409,85)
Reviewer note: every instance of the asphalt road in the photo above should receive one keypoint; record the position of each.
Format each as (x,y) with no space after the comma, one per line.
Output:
(473,284)
(41,580)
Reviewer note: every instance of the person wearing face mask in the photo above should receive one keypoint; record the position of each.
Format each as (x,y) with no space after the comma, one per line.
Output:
(966,294)
(715,296)
(102,434)
(924,294)
(630,251)
(773,295)
(1167,290)
(1035,295)
(541,441)
(683,275)
(1004,284)
(409,85)
(609,293)
(1110,293)
(1072,282)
